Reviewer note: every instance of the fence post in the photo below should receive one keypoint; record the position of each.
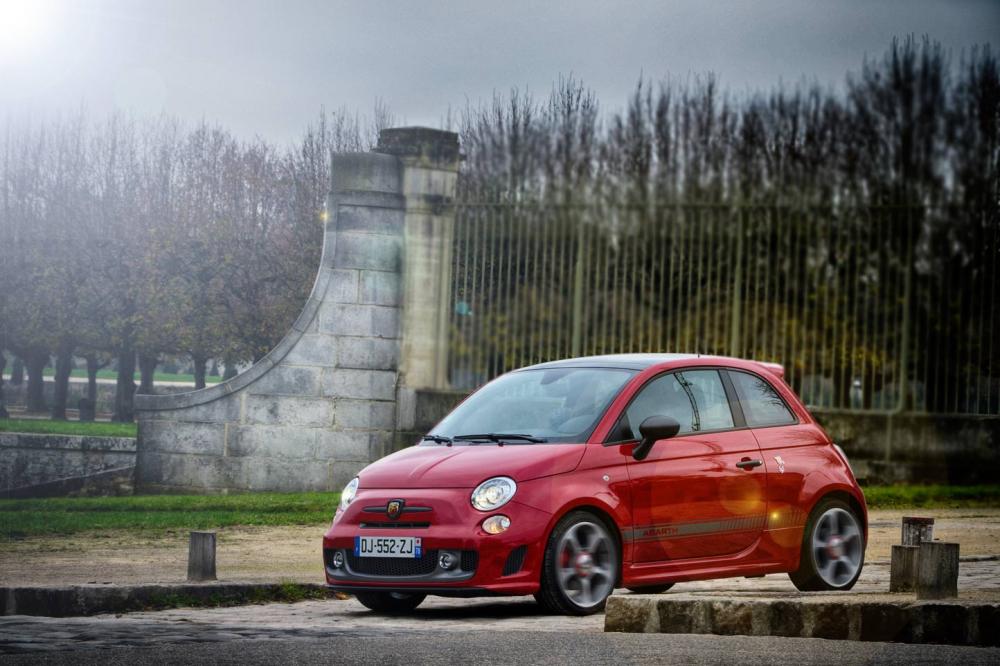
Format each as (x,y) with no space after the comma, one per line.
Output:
(735,341)
(578,269)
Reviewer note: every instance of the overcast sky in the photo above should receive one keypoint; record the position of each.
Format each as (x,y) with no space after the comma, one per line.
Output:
(265,67)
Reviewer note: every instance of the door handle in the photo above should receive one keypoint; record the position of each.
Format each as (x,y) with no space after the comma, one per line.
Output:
(746,463)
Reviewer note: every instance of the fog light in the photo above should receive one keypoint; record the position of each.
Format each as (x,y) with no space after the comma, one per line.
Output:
(447,561)
(338,559)
(496,524)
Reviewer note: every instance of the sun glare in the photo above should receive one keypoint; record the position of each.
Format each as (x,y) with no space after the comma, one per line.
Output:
(22,25)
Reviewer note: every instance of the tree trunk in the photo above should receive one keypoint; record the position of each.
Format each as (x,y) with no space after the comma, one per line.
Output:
(147,367)
(3,402)
(17,372)
(199,372)
(36,362)
(92,367)
(64,365)
(230,370)
(125,386)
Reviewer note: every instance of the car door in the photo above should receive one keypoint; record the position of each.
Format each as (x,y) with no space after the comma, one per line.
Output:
(701,493)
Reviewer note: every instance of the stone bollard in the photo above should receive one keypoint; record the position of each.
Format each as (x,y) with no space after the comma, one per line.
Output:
(903,568)
(201,557)
(917,530)
(937,570)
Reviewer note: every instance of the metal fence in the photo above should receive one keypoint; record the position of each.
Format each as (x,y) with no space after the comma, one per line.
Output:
(886,309)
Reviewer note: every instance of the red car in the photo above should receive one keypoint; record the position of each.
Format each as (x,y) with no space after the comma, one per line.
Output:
(568,479)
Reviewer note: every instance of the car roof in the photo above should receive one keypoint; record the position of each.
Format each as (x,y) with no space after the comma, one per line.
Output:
(644,361)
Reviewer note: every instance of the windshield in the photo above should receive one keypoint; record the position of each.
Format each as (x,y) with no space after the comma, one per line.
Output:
(557,405)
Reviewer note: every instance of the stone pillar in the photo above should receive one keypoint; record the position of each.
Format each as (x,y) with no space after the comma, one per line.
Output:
(430,170)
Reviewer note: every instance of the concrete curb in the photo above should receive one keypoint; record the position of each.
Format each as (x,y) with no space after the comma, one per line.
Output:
(841,618)
(93,599)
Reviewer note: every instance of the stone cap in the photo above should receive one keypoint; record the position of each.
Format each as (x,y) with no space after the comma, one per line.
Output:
(437,147)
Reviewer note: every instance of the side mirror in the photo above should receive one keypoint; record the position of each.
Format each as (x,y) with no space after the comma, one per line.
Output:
(652,429)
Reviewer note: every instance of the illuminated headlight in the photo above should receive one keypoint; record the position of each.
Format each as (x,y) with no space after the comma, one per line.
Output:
(346,497)
(493,493)
(496,524)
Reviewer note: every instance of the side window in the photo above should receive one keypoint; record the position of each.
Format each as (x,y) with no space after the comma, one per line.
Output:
(761,404)
(709,398)
(695,398)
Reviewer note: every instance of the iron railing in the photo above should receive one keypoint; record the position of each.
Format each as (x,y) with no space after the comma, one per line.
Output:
(883,309)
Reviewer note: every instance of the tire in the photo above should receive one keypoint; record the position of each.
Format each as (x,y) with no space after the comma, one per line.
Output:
(833,549)
(580,565)
(390,602)
(650,589)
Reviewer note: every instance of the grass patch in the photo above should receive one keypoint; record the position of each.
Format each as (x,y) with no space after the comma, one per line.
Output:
(52,516)
(932,496)
(286,592)
(46,427)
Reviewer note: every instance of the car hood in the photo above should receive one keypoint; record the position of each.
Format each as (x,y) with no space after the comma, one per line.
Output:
(442,466)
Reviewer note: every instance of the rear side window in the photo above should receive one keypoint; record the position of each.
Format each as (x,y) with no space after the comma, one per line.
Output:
(695,398)
(762,406)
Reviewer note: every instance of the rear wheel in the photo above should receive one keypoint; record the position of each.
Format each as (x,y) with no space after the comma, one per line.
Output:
(650,589)
(390,602)
(833,549)
(580,566)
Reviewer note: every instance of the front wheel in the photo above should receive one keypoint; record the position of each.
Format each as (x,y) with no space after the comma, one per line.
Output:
(833,549)
(580,566)
(390,602)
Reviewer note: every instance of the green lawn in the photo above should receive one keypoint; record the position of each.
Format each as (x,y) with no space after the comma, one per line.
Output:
(19,518)
(93,428)
(157,376)
(932,496)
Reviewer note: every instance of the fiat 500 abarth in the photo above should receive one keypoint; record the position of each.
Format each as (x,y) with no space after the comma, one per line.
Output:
(568,479)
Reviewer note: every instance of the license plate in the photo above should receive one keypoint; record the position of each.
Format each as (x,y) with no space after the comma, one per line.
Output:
(381,546)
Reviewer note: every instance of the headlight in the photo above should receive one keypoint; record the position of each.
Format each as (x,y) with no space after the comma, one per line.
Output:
(493,493)
(346,497)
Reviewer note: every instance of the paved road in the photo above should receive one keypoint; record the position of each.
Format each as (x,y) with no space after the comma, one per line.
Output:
(509,630)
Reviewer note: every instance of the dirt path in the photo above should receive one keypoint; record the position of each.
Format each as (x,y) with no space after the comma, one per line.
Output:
(294,553)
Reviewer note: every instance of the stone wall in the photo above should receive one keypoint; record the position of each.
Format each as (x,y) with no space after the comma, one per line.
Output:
(41,465)
(322,404)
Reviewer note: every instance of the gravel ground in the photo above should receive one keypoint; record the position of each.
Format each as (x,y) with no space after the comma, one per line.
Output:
(293,553)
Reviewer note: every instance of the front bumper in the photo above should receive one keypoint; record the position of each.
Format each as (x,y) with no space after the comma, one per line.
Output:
(489,564)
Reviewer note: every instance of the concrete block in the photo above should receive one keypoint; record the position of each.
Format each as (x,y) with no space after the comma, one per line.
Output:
(343,286)
(276,475)
(366,384)
(368,353)
(937,570)
(375,172)
(365,414)
(903,568)
(732,618)
(272,442)
(633,616)
(333,445)
(674,618)
(944,623)
(222,410)
(784,619)
(378,252)
(315,350)
(359,320)
(380,288)
(179,437)
(204,473)
(886,623)
(825,621)
(289,411)
(288,380)
(368,219)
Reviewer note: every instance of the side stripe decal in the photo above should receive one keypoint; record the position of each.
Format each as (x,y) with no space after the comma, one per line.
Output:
(679,530)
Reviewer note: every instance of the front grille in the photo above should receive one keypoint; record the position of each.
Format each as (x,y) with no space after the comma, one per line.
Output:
(514,561)
(395,526)
(470,560)
(394,566)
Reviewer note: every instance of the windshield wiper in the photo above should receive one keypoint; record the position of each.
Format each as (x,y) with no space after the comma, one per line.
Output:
(500,436)
(437,439)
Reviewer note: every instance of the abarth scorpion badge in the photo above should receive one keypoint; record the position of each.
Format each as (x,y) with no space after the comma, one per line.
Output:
(394,508)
